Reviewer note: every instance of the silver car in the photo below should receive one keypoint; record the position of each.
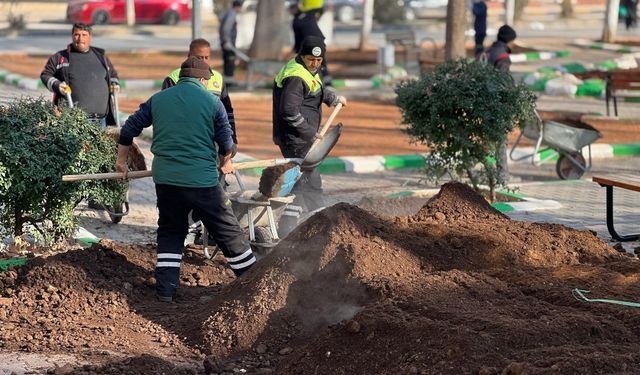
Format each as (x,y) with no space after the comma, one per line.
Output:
(414,9)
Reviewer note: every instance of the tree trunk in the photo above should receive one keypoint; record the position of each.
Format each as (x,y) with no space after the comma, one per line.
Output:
(268,38)
(455,39)
(611,21)
(567,9)
(367,23)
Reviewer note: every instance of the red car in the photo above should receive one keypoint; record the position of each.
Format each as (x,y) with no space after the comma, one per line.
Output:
(103,12)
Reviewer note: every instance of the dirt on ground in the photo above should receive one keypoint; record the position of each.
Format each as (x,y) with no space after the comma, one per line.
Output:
(455,288)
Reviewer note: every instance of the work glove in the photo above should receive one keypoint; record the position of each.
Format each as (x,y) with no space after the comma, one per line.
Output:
(341,99)
(62,88)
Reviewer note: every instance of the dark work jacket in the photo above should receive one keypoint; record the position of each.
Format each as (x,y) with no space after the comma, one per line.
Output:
(480,18)
(56,70)
(498,56)
(228,27)
(305,24)
(293,99)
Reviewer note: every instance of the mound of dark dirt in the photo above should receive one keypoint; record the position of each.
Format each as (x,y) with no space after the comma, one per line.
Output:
(456,288)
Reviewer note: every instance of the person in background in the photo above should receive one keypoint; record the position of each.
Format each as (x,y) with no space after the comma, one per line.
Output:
(479,10)
(498,56)
(87,72)
(190,128)
(305,24)
(298,94)
(631,18)
(201,49)
(228,36)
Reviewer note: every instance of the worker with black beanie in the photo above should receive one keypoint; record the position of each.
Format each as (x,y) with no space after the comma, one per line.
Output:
(298,94)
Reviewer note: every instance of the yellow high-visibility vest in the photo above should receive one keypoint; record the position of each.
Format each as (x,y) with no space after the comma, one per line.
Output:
(311,4)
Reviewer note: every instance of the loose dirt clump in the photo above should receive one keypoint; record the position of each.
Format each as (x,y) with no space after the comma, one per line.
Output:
(455,288)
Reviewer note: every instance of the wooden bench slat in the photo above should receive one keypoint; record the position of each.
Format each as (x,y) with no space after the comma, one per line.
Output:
(625,182)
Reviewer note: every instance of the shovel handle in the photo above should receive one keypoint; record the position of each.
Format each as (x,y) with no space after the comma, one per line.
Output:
(327,123)
(141,174)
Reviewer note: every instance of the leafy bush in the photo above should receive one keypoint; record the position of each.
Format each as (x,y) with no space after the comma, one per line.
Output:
(462,112)
(387,11)
(37,147)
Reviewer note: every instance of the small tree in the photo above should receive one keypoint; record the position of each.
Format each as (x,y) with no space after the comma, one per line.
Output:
(462,112)
(37,147)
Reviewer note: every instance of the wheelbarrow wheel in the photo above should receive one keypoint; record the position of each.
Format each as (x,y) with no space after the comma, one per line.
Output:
(568,169)
(117,211)
(263,236)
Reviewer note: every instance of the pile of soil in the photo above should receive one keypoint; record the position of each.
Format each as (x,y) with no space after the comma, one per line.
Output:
(455,288)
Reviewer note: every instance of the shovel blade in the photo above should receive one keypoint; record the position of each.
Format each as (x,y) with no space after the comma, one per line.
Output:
(321,149)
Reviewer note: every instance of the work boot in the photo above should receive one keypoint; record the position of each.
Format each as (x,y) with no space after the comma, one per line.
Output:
(167,299)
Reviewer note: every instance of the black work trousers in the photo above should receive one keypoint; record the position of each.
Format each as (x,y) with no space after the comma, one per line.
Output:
(229,62)
(213,207)
(308,189)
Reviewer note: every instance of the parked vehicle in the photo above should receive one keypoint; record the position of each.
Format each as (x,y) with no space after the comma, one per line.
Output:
(414,9)
(347,10)
(103,12)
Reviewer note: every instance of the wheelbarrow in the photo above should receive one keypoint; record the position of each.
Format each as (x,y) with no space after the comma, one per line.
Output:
(262,215)
(566,140)
(120,209)
(257,214)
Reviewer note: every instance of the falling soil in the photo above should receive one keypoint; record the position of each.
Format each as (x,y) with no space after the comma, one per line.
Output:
(455,288)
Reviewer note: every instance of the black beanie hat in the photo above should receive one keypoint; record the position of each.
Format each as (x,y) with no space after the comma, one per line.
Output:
(314,46)
(506,34)
(195,68)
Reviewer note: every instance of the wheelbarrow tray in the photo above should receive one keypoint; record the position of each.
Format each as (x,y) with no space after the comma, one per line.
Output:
(242,204)
(563,137)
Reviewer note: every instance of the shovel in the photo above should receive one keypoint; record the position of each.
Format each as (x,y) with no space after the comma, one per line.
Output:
(116,110)
(67,93)
(325,140)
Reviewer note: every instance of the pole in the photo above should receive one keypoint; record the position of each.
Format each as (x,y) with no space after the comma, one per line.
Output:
(196,20)
(611,21)
(509,12)
(131,13)
(367,24)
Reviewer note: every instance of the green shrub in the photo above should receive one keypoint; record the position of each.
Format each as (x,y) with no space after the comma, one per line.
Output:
(37,147)
(387,11)
(462,112)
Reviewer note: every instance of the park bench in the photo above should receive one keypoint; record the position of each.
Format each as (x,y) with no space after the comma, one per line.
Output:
(406,39)
(627,182)
(265,68)
(621,84)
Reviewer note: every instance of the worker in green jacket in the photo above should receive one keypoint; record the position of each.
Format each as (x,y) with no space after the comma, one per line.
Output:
(201,49)
(188,124)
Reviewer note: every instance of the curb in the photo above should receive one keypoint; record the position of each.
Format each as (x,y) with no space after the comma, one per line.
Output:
(527,204)
(381,163)
(536,56)
(612,47)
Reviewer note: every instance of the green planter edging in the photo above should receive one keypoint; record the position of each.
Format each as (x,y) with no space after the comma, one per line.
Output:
(6,264)
(632,149)
(404,161)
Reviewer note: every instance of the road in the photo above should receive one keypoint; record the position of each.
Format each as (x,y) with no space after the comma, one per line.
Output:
(41,37)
